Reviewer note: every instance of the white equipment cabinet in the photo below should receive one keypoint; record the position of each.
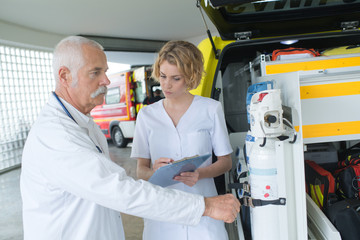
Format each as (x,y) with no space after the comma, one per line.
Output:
(324,108)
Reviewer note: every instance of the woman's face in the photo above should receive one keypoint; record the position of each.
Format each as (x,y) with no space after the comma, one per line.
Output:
(172,81)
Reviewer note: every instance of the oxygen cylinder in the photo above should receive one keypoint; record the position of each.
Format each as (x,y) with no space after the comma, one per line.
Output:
(266,125)
(264,186)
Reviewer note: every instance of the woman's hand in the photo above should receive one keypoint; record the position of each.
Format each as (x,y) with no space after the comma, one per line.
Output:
(161,162)
(188,178)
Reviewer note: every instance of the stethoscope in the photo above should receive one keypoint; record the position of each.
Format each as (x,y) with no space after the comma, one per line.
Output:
(70,116)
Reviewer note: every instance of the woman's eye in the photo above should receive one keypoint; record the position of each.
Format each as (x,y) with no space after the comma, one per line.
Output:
(162,76)
(177,79)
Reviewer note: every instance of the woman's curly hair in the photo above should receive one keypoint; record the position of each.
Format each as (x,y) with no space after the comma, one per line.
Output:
(188,59)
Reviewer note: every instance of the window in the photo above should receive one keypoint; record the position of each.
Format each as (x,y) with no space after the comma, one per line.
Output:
(25,83)
(113,95)
(140,91)
(235,82)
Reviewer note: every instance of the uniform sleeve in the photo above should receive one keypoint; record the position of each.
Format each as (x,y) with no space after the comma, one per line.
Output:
(73,165)
(219,134)
(140,145)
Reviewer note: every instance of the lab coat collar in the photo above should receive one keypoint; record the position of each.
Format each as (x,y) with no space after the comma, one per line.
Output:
(81,119)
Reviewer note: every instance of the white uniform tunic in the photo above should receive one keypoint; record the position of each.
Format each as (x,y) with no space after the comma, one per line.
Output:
(200,130)
(70,190)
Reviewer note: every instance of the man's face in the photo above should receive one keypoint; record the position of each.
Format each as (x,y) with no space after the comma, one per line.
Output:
(91,80)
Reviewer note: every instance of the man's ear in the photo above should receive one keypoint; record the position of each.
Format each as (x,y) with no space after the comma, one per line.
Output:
(65,77)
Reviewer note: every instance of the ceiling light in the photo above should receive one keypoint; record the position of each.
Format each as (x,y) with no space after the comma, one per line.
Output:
(289,42)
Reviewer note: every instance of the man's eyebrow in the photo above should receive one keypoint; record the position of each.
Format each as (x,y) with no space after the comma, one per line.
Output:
(96,69)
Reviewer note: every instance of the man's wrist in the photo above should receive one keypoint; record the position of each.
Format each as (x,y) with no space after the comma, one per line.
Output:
(206,206)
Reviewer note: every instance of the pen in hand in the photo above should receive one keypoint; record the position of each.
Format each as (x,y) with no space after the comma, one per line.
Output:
(161,162)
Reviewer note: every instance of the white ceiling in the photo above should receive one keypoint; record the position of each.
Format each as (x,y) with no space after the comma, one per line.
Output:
(139,19)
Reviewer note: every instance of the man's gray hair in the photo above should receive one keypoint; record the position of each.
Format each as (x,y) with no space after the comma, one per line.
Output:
(68,53)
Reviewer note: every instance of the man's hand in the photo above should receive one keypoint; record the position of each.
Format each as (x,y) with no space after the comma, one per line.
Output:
(223,207)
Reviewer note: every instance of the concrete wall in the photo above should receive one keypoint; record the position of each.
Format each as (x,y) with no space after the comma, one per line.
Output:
(12,33)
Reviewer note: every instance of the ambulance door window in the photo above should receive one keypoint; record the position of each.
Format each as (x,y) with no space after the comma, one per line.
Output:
(113,95)
(235,82)
(140,91)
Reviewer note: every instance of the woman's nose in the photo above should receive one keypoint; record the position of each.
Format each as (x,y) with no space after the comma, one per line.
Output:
(166,83)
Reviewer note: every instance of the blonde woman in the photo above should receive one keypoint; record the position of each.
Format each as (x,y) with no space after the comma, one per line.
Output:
(182,125)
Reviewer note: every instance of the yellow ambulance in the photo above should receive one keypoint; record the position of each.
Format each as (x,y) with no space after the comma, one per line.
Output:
(310,50)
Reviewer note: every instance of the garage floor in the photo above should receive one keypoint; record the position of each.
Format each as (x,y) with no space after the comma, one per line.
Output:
(10,200)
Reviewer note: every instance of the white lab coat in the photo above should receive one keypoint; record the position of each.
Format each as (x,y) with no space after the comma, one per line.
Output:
(72,191)
(201,130)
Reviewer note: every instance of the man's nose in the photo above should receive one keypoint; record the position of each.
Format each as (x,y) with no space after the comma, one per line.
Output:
(105,81)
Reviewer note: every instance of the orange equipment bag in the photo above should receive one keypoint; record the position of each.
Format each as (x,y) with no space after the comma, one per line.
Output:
(320,184)
(292,53)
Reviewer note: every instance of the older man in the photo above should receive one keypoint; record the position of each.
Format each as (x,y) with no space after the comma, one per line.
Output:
(69,186)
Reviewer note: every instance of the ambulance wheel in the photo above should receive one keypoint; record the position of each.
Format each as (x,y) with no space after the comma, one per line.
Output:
(118,138)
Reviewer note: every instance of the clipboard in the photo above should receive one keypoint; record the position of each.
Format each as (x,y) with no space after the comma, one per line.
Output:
(164,175)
